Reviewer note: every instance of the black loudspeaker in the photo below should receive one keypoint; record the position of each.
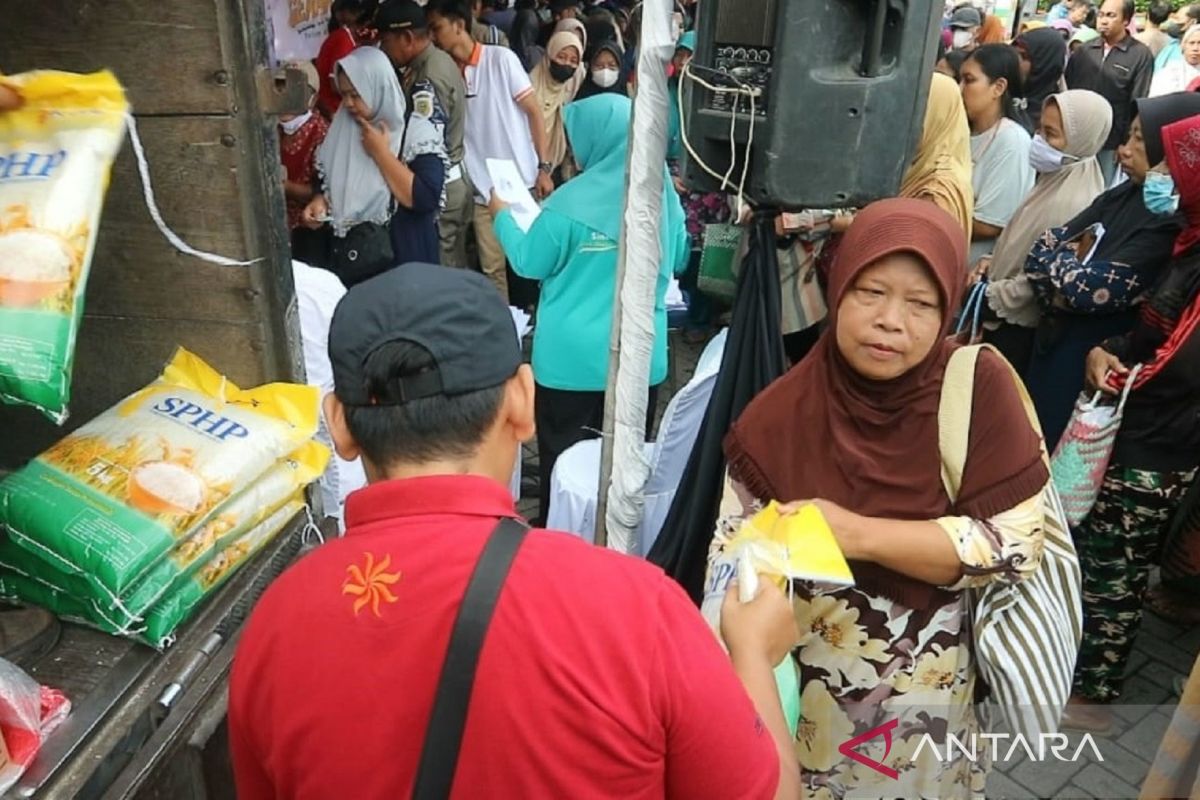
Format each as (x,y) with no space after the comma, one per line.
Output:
(837,89)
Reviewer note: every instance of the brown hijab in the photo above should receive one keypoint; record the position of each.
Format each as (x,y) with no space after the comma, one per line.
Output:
(823,431)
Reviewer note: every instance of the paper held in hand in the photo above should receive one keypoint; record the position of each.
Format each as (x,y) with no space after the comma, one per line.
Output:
(509,187)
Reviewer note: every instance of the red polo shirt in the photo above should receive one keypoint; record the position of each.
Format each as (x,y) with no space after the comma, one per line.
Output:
(598,677)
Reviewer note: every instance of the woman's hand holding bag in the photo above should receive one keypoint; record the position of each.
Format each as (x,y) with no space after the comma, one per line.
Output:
(1100,364)
(1086,447)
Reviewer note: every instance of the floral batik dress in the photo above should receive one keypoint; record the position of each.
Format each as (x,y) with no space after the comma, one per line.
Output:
(866,661)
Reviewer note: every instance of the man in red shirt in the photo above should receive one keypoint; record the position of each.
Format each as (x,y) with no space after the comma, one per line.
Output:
(597,676)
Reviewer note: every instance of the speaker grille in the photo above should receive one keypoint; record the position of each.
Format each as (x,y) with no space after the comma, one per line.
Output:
(746,22)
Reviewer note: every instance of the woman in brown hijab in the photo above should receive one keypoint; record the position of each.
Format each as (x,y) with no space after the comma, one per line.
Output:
(854,429)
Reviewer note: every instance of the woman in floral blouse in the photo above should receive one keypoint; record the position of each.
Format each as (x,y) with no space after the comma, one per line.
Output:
(853,428)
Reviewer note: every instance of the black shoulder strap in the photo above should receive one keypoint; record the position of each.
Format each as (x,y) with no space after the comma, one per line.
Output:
(443,738)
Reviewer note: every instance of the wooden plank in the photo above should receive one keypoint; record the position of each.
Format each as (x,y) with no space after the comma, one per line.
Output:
(116,356)
(168,55)
(194,166)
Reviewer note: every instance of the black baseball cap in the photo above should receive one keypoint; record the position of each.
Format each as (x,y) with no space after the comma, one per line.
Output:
(400,15)
(455,314)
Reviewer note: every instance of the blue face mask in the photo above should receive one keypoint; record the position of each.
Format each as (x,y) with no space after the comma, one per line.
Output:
(1158,193)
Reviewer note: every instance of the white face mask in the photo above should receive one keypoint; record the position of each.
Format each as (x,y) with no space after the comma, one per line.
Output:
(1043,157)
(292,125)
(961,38)
(606,77)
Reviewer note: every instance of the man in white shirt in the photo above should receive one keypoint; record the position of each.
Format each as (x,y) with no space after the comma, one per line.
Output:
(504,121)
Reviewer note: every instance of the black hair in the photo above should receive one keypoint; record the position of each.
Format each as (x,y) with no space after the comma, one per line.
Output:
(1001,61)
(1090,19)
(954,59)
(941,51)
(451,9)
(420,431)
(1159,12)
(363,10)
(1193,11)
(1081,3)
(1128,9)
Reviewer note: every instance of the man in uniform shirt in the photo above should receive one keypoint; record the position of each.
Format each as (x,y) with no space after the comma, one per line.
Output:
(435,89)
(597,677)
(504,122)
(1117,67)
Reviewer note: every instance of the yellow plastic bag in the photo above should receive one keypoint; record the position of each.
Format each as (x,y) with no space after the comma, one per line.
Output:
(782,547)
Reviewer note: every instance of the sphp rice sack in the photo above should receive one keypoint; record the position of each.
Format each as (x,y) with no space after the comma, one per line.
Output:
(56,153)
(112,499)
(177,607)
(172,610)
(121,615)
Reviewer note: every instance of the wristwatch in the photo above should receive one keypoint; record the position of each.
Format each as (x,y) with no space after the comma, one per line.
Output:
(546,167)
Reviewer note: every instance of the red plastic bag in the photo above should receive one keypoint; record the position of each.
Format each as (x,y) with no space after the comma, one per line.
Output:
(28,713)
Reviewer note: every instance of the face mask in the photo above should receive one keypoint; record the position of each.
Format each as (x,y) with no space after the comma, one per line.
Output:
(293,125)
(605,78)
(561,72)
(1158,193)
(1045,158)
(1172,29)
(960,39)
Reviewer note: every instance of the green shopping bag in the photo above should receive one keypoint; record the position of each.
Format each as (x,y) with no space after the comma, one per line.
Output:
(718,260)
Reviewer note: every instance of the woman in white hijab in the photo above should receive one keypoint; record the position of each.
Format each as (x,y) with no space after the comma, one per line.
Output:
(382,171)
(1073,128)
(1178,73)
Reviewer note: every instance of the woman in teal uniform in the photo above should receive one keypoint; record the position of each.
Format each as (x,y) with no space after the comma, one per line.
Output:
(572,250)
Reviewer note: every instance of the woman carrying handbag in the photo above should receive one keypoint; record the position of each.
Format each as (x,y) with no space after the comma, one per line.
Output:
(1157,448)
(382,174)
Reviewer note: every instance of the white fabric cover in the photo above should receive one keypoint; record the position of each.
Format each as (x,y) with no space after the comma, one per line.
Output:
(576,477)
(318,292)
(676,436)
(637,277)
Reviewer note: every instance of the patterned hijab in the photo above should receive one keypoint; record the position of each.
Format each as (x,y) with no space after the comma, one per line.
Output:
(1181,141)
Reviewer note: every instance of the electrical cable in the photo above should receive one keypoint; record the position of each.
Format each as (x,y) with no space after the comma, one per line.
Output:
(741,89)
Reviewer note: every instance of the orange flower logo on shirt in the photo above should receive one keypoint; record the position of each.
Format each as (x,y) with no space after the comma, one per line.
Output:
(370,583)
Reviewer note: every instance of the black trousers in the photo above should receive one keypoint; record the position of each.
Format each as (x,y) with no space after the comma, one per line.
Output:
(564,418)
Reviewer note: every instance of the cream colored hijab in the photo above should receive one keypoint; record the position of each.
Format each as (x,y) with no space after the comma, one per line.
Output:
(552,95)
(941,169)
(1055,200)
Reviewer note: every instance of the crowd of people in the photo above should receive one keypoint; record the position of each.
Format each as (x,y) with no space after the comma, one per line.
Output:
(1056,180)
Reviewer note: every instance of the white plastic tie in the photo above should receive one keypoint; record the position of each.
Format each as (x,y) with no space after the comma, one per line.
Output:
(152,206)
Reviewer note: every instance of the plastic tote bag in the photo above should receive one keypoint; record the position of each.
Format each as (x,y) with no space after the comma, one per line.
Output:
(1083,453)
